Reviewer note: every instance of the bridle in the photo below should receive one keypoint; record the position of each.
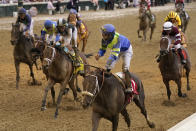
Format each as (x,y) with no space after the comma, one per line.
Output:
(97,88)
(165,51)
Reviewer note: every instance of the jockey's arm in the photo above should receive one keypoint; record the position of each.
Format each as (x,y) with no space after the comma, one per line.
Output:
(103,48)
(28,23)
(178,21)
(114,55)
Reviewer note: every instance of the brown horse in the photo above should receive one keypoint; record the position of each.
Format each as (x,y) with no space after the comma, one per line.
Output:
(106,94)
(58,68)
(83,35)
(145,23)
(22,52)
(171,67)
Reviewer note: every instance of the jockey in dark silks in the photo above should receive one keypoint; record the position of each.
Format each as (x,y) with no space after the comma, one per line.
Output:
(48,32)
(26,21)
(174,34)
(64,37)
(121,47)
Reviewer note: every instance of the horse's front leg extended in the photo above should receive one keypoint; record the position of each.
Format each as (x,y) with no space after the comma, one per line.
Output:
(95,121)
(61,93)
(17,66)
(84,44)
(32,75)
(180,94)
(48,87)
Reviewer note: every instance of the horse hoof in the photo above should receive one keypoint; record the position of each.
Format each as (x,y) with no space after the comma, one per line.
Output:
(151,125)
(43,108)
(183,95)
(139,36)
(188,88)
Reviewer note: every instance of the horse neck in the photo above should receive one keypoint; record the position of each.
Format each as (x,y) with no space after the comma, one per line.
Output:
(170,59)
(59,62)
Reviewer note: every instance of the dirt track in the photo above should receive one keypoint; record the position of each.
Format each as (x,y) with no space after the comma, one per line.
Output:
(20,109)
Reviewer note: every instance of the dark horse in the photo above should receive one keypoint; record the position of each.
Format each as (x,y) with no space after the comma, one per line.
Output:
(171,67)
(184,17)
(82,36)
(145,23)
(22,52)
(106,94)
(58,68)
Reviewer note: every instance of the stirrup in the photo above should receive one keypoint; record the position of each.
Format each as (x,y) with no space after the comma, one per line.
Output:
(129,90)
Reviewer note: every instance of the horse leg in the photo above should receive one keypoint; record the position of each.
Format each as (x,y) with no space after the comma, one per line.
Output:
(62,90)
(84,44)
(48,87)
(139,101)
(138,33)
(72,86)
(144,34)
(53,95)
(115,120)
(126,117)
(187,77)
(152,31)
(180,94)
(95,120)
(17,66)
(77,87)
(32,74)
(166,82)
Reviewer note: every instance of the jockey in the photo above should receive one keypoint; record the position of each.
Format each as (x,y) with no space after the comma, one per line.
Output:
(179,1)
(50,30)
(72,19)
(174,18)
(144,4)
(65,31)
(174,34)
(120,46)
(26,20)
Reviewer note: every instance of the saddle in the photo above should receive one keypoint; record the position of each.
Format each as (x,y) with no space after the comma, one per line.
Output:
(128,97)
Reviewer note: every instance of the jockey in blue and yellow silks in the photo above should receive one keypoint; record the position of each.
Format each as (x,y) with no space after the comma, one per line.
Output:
(50,30)
(120,46)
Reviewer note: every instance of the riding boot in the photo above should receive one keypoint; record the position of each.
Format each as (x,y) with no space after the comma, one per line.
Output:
(128,82)
(183,61)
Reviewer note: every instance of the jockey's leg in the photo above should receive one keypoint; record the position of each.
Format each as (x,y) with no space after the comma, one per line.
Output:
(179,50)
(127,55)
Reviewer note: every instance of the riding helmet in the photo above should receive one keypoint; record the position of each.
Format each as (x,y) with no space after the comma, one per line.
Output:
(108,29)
(22,11)
(62,22)
(167,26)
(172,14)
(48,24)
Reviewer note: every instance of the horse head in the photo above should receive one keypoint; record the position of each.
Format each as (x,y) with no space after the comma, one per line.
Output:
(164,46)
(49,54)
(92,84)
(15,33)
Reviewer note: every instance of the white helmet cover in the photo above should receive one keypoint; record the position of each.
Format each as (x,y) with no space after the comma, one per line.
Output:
(167,26)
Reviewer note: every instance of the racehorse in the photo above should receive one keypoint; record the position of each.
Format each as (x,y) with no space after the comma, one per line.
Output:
(146,22)
(83,35)
(184,17)
(171,67)
(106,94)
(22,52)
(58,68)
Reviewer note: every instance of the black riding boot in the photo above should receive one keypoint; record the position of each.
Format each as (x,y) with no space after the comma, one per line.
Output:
(183,61)
(128,82)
